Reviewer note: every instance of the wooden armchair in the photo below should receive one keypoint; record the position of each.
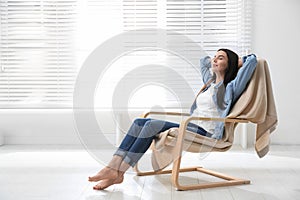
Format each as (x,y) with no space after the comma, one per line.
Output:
(178,150)
(255,105)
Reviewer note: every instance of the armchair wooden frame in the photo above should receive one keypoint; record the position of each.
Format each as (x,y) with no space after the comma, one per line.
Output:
(228,180)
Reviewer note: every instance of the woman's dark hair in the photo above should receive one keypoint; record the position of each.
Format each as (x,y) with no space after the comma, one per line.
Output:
(230,74)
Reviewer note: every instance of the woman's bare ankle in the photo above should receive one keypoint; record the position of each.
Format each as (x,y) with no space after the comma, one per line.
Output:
(115,162)
(105,173)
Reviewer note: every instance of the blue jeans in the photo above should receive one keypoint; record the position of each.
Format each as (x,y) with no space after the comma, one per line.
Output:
(140,135)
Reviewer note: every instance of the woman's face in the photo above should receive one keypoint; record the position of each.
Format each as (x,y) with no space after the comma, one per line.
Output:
(220,62)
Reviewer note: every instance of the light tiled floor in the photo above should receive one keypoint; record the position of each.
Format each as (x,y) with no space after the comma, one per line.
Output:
(60,173)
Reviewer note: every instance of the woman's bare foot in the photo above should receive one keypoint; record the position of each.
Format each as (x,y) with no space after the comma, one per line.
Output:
(110,171)
(105,173)
(108,182)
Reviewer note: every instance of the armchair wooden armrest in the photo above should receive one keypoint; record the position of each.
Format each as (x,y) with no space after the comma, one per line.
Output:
(144,115)
(235,120)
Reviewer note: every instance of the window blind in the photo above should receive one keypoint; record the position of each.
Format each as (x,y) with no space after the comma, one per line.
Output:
(44,43)
(211,24)
(36,56)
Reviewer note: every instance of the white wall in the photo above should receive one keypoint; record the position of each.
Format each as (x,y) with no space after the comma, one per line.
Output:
(50,126)
(276,37)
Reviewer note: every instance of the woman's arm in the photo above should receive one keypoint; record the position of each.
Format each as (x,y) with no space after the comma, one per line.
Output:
(205,65)
(238,85)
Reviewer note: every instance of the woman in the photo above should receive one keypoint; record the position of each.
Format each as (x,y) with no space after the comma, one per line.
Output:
(222,88)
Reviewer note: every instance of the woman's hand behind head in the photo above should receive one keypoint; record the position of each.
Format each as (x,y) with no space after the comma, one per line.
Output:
(240,64)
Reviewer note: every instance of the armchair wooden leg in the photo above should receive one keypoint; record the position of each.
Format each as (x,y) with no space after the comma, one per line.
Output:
(228,180)
(147,173)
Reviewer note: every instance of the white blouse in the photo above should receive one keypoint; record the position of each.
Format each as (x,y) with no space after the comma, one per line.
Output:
(206,108)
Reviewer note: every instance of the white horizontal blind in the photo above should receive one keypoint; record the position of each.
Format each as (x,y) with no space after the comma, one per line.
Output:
(143,14)
(43,44)
(98,21)
(37,56)
(212,24)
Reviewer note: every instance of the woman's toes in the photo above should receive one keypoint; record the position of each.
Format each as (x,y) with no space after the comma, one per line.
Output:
(108,182)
